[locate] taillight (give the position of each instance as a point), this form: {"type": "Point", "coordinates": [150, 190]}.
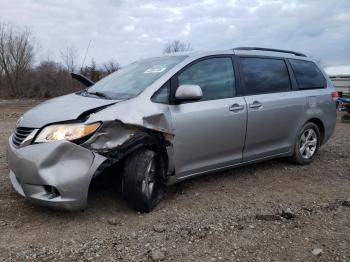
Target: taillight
{"type": "Point", "coordinates": [335, 95]}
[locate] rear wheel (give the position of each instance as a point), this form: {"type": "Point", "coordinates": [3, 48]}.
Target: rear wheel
{"type": "Point", "coordinates": [142, 184]}
{"type": "Point", "coordinates": [306, 144]}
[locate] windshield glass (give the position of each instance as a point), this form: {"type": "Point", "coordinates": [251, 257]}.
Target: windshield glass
{"type": "Point", "coordinates": [134, 78]}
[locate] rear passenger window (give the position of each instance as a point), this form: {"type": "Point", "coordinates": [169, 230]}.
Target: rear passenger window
{"type": "Point", "coordinates": [215, 76]}
{"type": "Point", "coordinates": [265, 75]}
{"type": "Point", "coordinates": [307, 74]}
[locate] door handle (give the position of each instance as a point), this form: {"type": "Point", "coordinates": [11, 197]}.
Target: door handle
{"type": "Point", "coordinates": [236, 107]}
{"type": "Point", "coordinates": [255, 105]}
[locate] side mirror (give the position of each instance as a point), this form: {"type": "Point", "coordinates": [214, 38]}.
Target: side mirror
{"type": "Point", "coordinates": [188, 93]}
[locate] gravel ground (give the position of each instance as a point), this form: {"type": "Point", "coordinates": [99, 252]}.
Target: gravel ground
{"type": "Point", "coordinates": [272, 211]}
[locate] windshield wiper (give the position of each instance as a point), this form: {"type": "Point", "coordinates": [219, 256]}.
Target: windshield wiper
{"type": "Point", "coordinates": [99, 94]}
{"type": "Point", "coordinates": [82, 79]}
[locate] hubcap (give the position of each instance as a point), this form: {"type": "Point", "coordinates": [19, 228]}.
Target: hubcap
{"type": "Point", "coordinates": [308, 143]}
{"type": "Point", "coordinates": [149, 179]}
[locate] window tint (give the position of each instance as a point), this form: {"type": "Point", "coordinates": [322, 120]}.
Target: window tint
{"type": "Point", "coordinates": [162, 94]}
{"type": "Point", "coordinates": [265, 75]}
{"type": "Point", "coordinates": [307, 74]}
{"type": "Point", "coordinates": [214, 75]}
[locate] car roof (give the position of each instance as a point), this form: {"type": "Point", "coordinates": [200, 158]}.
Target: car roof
{"type": "Point", "coordinates": [271, 54]}
{"type": "Point", "coordinates": [251, 52]}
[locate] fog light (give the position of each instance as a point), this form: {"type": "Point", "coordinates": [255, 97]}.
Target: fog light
{"type": "Point", "coordinates": [51, 192]}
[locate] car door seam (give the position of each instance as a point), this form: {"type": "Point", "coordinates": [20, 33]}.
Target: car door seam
{"type": "Point", "coordinates": [246, 128]}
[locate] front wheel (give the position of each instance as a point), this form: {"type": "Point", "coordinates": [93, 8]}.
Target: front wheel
{"type": "Point", "coordinates": [306, 144]}
{"type": "Point", "coordinates": [142, 184]}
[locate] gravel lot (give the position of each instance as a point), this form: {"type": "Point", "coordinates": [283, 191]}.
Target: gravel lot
{"type": "Point", "coordinates": [231, 216]}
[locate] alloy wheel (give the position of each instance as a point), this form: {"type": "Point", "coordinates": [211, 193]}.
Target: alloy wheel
{"type": "Point", "coordinates": [308, 143]}
{"type": "Point", "coordinates": [149, 178]}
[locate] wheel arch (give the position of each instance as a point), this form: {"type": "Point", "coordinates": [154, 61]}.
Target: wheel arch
{"type": "Point", "coordinates": [143, 139]}
{"type": "Point", "coordinates": [318, 122]}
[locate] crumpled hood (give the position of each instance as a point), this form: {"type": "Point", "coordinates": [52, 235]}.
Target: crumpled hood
{"type": "Point", "coordinates": [63, 108]}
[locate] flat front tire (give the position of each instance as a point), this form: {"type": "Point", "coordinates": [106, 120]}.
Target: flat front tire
{"type": "Point", "coordinates": [142, 184]}
{"type": "Point", "coordinates": [307, 144]}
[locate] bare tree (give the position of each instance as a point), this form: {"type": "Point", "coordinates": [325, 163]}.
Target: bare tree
{"type": "Point", "coordinates": [49, 79]}
{"type": "Point", "coordinates": [176, 46]}
{"type": "Point", "coordinates": [20, 78]}
{"type": "Point", "coordinates": [16, 58]}
{"type": "Point", "coordinates": [92, 71]}
{"type": "Point", "coordinates": [110, 66]}
{"type": "Point", "coordinates": [69, 56]}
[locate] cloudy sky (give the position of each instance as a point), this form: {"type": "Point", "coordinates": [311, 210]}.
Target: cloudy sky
{"type": "Point", "coordinates": [129, 30]}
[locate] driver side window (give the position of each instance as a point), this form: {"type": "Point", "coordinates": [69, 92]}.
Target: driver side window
{"type": "Point", "coordinates": [215, 76]}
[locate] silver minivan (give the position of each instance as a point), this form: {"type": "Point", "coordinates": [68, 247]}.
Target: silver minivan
{"type": "Point", "coordinates": [162, 120]}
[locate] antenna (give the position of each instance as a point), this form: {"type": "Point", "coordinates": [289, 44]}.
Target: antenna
{"type": "Point", "coordinates": [86, 52]}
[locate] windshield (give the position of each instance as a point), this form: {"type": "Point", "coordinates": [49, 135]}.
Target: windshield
{"type": "Point", "coordinates": [134, 78]}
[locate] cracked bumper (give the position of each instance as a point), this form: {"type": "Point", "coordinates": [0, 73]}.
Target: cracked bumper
{"type": "Point", "coordinates": [62, 165]}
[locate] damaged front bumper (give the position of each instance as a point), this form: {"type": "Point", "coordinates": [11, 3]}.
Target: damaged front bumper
{"type": "Point", "coordinates": [55, 174]}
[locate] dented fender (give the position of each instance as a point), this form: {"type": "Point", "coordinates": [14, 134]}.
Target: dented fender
{"type": "Point", "coordinates": [136, 112]}
{"type": "Point", "coordinates": [115, 140]}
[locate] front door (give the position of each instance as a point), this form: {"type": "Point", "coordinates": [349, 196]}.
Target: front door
{"type": "Point", "coordinates": [210, 133]}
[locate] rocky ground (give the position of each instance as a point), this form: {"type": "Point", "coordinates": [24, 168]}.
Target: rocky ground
{"type": "Point", "coordinates": [272, 211]}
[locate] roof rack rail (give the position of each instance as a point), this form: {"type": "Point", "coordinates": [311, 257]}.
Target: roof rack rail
{"type": "Point", "coordinates": [269, 49]}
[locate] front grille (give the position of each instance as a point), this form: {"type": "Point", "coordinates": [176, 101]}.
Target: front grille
{"type": "Point", "coordinates": [20, 134]}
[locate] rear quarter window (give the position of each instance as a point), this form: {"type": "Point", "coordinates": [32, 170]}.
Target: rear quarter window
{"type": "Point", "coordinates": [307, 74]}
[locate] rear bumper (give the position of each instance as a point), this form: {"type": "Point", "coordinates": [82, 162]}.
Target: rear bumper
{"type": "Point", "coordinates": [62, 165]}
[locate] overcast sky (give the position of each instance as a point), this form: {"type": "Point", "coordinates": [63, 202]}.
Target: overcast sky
{"type": "Point", "coordinates": [129, 30]}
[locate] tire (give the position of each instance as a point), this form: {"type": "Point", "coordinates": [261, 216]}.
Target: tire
{"type": "Point", "coordinates": [307, 144]}
{"type": "Point", "coordinates": [142, 183]}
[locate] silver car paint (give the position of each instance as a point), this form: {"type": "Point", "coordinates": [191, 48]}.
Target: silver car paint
{"type": "Point", "coordinates": [186, 91]}
{"type": "Point", "coordinates": [280, 117]}
{"type": "Point", "coordinates": [61, 164]}
{"type": "Point", "coordinates": [276, 121]}
{"type": "Point", "coordinates": [212, 139]}
{"type": "Point", "coordinates": [63, 108]}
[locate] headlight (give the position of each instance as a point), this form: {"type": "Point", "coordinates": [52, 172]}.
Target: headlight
{"type": "Point", "coordinates": [65, 131]}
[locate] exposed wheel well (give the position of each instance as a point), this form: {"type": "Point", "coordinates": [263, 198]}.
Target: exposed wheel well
{"type": "Point", "coordinates": [320, 125]}
{"type": "Point", "coordinates": [145, 139]}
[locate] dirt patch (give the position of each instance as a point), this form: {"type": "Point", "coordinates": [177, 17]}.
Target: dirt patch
{"type": "Point", "coordinates": [272, 211]}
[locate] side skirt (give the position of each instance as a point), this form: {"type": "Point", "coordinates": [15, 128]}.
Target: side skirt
{"type": "Point", "coordinates": [174, 179]}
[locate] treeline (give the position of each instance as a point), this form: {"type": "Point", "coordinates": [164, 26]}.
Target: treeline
{"type": "Point", "coordinates": [21, 77]}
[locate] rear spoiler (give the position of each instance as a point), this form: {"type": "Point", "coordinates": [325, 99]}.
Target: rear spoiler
{"type": "Point", "coordinates": [82, 79]}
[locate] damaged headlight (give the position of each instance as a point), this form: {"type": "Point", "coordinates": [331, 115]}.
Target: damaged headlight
{"type": "Point", "coordinates": [66, 132]}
